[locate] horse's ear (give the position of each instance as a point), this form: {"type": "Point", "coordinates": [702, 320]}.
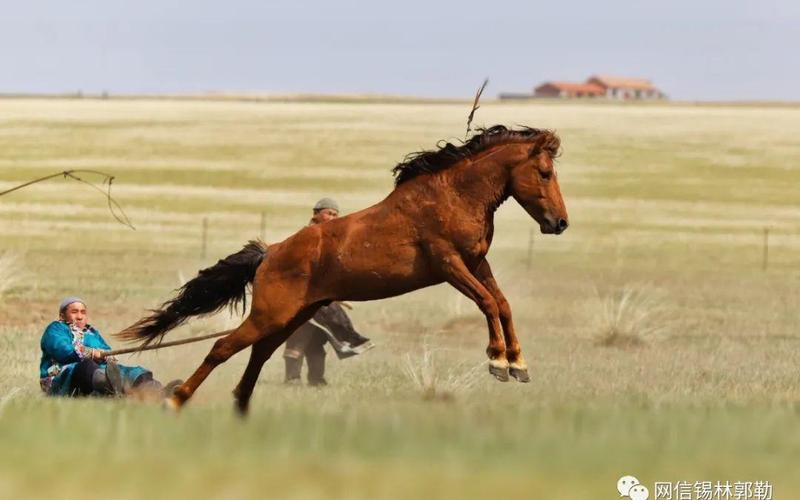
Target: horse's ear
{"type": "Point", "coordinates": [548, 142]}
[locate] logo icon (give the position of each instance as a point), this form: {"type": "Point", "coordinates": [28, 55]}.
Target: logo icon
{"type": "Point", "coordinates": [629, 487]}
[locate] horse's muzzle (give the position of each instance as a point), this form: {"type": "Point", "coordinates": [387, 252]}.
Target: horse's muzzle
{"type": "Point", "coordinates": [556, 227]}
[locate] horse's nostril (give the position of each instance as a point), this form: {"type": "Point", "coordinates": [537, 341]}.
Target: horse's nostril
{"type": "Point", "coordinates": [562, 224]}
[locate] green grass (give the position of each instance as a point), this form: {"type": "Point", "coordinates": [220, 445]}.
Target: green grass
{"type": "Point", "coordinates": [670, 200]}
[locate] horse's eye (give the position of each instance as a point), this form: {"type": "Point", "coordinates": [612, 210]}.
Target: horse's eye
{"type": "Point", "coordinates": [546, 174]}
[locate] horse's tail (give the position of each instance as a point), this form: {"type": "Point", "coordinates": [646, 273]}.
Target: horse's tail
{"type": "Point", "coordinates": [224, 283]}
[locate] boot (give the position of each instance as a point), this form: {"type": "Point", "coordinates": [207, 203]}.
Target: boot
{"type": "Point", "coordinates": [108, 382]}
{"type": "Point", "coordinates": [145, 378]}
{"type": "Point", "coordinates": [316, 370]}
{"type": "Point", "coordinates": [293, 367]}
{"type": "Point", "coordinates": [346, 350]}
{"type": "Point", "coordinates": [146, 388]}
{"type": "Point", "coordinates": [100, 383]}
{"type": "Point", "coordinates": [169, 389]}
{"type": "Point", "coordinates": [362, 346]}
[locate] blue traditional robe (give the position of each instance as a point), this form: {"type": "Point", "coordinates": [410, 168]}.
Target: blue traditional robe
{"type": "Point", "coordinates": [63, 347]}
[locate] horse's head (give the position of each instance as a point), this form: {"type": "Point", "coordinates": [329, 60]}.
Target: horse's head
{"type": "Point", "coordinates": [534, 184]}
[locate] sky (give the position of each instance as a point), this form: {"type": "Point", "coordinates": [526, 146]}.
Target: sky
{"type": "Point", "coordinates": [692, 50]}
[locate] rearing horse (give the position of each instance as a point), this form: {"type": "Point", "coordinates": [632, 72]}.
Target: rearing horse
{"type": "Point", "coordinates": [435, 226]}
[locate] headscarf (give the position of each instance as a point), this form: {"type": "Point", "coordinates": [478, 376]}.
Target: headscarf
{"type": "Point", "coordinates": [67, 301]}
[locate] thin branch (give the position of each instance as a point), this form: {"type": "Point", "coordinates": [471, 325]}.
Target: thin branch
{"type": "Point", "coordinates": [32, 182]}
{"type": "Point", "coordinates": [115, 208]}
{"type": "Point", "coordinates": [475, 106]}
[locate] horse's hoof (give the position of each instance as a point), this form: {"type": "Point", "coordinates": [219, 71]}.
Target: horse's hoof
{"type": "Point", "coordinates": [499, 372]}
{"type": "Point", "coordinates": [241, 409]}
{"type": "Point", "coordinates": [521, 374]}
{"type": "Point", "coordinates": [169, 405]}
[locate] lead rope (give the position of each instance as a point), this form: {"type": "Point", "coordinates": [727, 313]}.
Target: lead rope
{"type": "Point", "coordinates": [128, 350]}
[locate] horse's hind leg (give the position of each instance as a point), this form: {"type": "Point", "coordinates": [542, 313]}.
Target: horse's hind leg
{"type": "Point", "coordinates": [246, 334]}
{"type": "Point", "coordinates": [260, 353]}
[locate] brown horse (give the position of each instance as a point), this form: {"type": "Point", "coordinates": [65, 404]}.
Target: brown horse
{"type": "Point", "coordinates": [435, 226]}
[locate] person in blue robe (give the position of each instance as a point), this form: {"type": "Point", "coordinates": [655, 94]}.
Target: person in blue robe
{"type": "Point", "coordinates": [74, 361]}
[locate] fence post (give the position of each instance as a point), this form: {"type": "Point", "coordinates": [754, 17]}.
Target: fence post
{"type": "Point", "coordinates": [765, 261]}
{"type": "Point", "coordinates": [530, 249]}
{"type": "Point", "coordinates": [263, 232]}
{"type": "Point", "coordinates": [204, 246]}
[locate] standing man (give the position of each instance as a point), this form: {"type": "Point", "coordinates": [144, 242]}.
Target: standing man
{"type": "Point", "coordinates": [329, 324]}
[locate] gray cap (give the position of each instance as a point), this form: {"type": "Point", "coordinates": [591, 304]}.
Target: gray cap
{"type": "Point", "coordinates": [326, 203]}
{"type": "Point", "coordinates": [67, 301]}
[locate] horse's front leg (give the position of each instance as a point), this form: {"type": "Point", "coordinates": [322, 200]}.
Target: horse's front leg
{"type": "Point", "coordinates": [457, 274]}
{"type": "Point", "coordinates": [517, 366]}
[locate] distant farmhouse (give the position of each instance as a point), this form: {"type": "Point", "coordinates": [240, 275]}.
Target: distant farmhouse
{"type": "Point", "coordinates": [603, 87]}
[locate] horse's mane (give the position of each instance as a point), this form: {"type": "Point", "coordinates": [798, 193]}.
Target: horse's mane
{"type": "Point", "coordinates": [445, 156]}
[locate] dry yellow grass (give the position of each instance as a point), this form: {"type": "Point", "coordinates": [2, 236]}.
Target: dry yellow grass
{"type": "Point", "coordinates": [672, 196]}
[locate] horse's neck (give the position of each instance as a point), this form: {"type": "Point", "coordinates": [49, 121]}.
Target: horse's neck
{"type": "Point", "coordinates": [482, 182]}
{"type": "Point", "coordinates": [476, 186]}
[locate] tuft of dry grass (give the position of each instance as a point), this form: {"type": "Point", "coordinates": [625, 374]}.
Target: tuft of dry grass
{"type": "Point", "coordinates": [631, 317]}
{"type": "Point", "coordinates": [436, 382]}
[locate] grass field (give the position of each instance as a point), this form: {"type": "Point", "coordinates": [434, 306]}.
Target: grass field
{"type": "Point", "coordinates": [659, 345]}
